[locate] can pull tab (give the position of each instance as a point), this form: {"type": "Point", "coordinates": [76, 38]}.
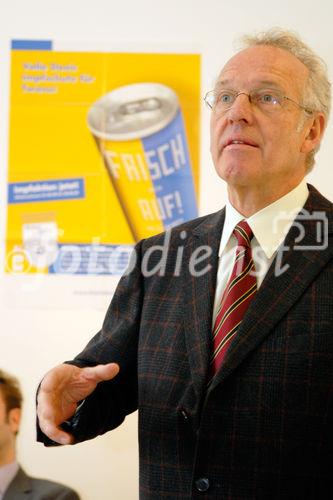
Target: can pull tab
{"type": "Point", "coordinates": [131, 108]}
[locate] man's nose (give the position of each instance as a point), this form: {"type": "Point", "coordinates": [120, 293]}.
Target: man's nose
{"type": "Point", "coordinates": [241, 109]}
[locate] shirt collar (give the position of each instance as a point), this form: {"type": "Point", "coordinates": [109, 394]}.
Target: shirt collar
{"type": "Point", "coordinates": [7, 474]}
{"type": "Point", "coordinates": [271, 224]}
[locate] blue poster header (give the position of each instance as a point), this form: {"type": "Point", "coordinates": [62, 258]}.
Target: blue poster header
{"type": "Point", "coordinates": [31, 45]}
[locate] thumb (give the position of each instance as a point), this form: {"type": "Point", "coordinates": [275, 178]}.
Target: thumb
{"type": "Point", "coordinates": [100, 373]}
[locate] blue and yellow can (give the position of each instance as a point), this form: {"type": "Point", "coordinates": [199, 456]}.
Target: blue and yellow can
{"type": "Point", "coordinates": [139, 130]}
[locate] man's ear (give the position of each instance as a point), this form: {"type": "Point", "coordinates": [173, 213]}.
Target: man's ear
{"type": "Point", "coordinates": [314, 133]}
{"type": "Point", "coordinates": [14, 418]}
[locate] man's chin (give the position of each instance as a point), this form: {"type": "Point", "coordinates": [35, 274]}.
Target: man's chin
{"type": "Point", "coordinates": [236, 175]}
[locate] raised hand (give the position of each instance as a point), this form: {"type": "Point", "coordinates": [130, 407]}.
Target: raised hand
{"type": "Point", "coordinates": [61, 390]}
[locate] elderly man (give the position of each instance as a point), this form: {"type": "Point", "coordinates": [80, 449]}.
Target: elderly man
{"type": "Point", "coordinates": [226, 349]}
{"type": "Point", "coordinates": [15, 484]}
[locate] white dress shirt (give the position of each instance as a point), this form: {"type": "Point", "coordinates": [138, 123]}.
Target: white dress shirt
{"type": "Point", "coordinates": [7, 474]}
{"type": "Point", "coordinates": [269, 226]}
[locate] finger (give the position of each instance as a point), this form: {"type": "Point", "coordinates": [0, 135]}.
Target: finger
{"type": "Point", "coordinates": [49, 424]}
{"type": "Point", "coordinates": [101, 373]}
{"type": "Point", "coordinates": [55, 433]}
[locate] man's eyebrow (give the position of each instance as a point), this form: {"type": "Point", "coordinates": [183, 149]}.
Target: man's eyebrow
{"type": "Point", "coordinates": [226, 83]}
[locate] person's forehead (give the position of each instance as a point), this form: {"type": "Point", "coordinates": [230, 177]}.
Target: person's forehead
{"type": "Point", "coordinates": [264, 63]}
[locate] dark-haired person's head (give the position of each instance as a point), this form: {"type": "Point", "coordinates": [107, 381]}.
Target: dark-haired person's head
{"type": "Point", "coordinates": [10, 416]}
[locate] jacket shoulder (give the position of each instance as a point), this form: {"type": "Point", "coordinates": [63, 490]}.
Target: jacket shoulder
{"type": "Point", "coordinates": [38, 489]}
{"type": "Point", "coordinates": [44, 489]}
{"type": "Point", "coordinates": [200, 224]}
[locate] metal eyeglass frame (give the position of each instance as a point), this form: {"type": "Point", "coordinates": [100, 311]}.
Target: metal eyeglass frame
{"type": "Point", "coordinates": [236, 94]}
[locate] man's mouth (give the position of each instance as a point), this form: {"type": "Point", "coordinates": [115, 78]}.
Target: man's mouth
{"type": "Point", "coordinates": [239, 142]}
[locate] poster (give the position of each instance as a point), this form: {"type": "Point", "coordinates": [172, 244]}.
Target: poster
{"type": "Point", "coordinates": [103, 151]}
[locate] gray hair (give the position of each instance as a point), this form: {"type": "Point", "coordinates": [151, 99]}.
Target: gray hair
{"type": "Point", "coordinates": [317, 91]}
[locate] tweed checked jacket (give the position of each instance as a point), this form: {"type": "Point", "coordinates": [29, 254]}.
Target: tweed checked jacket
{"type": "Point", "coordinates": [263, 428]}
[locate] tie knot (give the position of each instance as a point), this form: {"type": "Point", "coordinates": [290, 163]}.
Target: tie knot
{"type": "Point", "coordinates": [243, 233]}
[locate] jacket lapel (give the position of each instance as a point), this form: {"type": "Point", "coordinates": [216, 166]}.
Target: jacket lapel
{"type": "Point", "coordinates": [198, 293]}
{"type": "Point", "coordinates": [303, 257]}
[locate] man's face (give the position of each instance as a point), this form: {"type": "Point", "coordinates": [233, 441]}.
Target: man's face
{"type": "Point", "coordinates": [276, 151]}
{"type": "Point", "coordinates": [9, 424]}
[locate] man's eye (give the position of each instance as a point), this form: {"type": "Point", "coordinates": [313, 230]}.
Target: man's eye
{"type": "Point", "coordinates": [268, 98]}
{"type": "Point", "coordinates": [226, 98]}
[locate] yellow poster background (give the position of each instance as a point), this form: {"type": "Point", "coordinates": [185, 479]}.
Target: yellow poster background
{"type": "Point", "coordinates": [49, 139]}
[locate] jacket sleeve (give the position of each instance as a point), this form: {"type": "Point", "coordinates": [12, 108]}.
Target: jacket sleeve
{"type": "Point", "coordinates": [117, 341]}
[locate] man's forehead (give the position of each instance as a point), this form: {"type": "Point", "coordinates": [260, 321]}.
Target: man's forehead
{"type": "Point", "coordinates": [265, 61]}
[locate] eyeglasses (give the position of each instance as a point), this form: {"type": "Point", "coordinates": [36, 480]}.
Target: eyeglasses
{"type": "Point", "coordinates": [267, 100]}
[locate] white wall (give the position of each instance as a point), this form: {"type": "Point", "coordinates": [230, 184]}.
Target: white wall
{"type": "Point", "coordinates": [32, 341]}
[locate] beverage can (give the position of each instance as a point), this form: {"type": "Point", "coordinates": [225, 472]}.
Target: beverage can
{"type": "Point", "coordinates": [139, 130]}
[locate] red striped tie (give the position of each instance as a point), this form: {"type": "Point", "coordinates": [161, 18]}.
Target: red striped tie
{"type": "Point", "coordinates": [236, 298]}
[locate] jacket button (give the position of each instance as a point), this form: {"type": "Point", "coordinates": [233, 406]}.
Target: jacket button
{"type": "Point", "coordinates": [202, 484]}
{"type": "Point", "coordinates": [184, 414]}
